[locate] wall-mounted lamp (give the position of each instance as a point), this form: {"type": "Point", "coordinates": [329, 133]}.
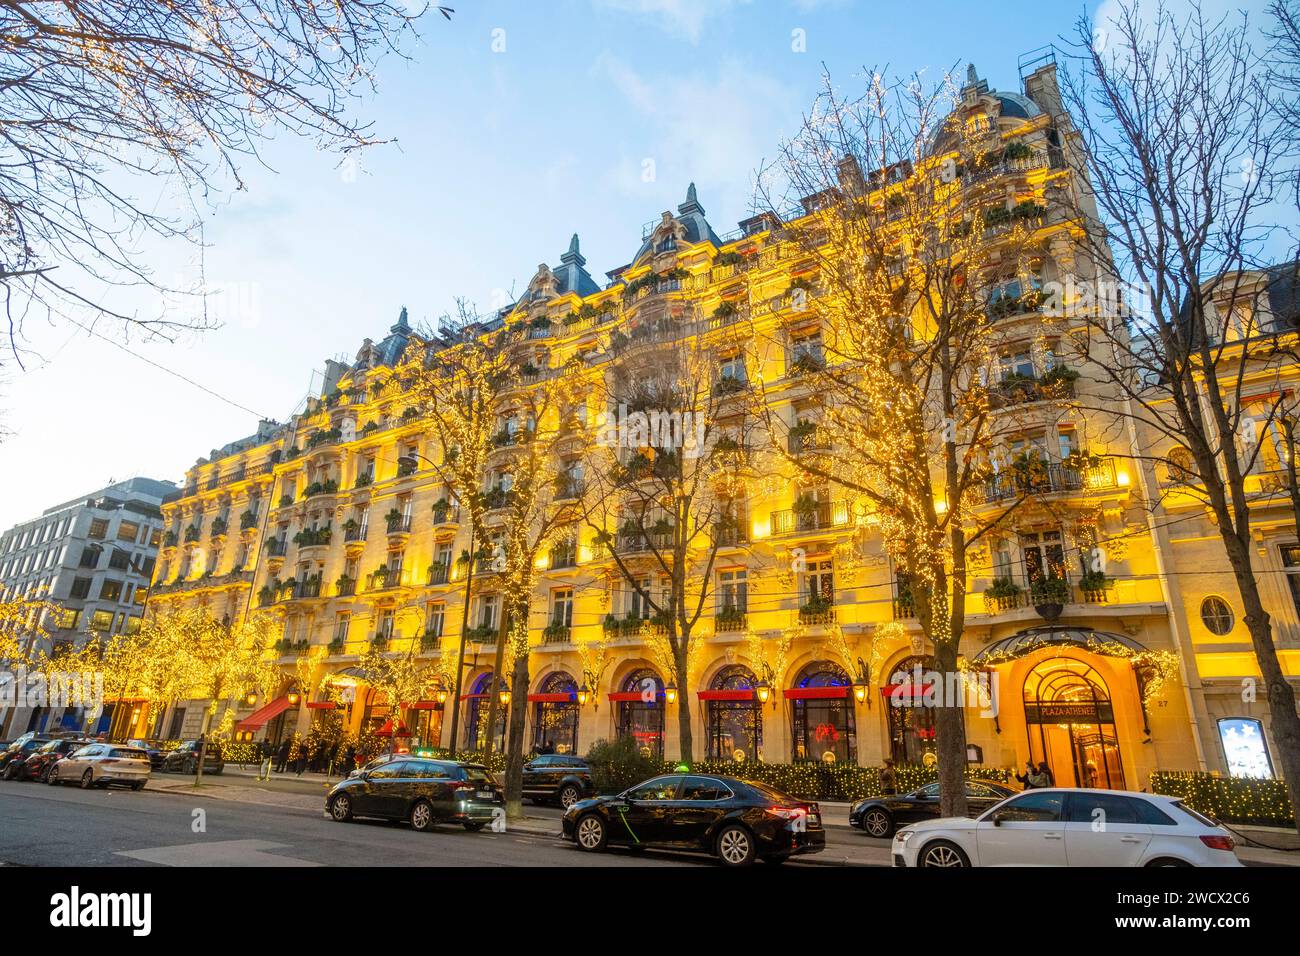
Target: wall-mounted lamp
{"type": "Point", "coordinates": [293, 697]}
{"type": "Point", "coordinates": [670, 693]}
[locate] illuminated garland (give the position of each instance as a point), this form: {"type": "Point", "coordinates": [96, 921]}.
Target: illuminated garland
{"type": "Point", "coordinates": [1241, 800]}
{"type": "Point", "coordinates": [839, 781]}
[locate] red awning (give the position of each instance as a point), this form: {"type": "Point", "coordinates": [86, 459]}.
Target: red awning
{"type": "Point", "coordinates": [321, 705]}
{"type": "Point", "coordinates": [904, 691]}
{"type": "Point", "coordinates": [387, 729]}
{"type": "Point", "coordinates": [568, 698]}
{"type": "Point", "coordinates": [425, 705]}
{"type": "Point", "coordinates": [632, 696]}
{"type": "Point", "coordinates": [260, 718]}
{"type": "Point", "coordinates": [474, 696]}
{"type": "Point", "coordinates": [816, 693]}
{"type": "Point", "coordinates": [725, 695]}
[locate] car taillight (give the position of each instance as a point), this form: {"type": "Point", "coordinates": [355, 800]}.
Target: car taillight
{"type": "Point", "coordinates": [1219, 842]}
{"type": "Point", "coordinates": [786, 813]}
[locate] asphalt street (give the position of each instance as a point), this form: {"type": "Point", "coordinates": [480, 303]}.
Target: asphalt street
{"type": "Point", "coordinates": [65, 826]}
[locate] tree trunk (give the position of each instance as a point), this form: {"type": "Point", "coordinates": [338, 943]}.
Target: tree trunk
{"type": "Point", "coordinates": [515, 739]}
{"type": "Point", "coordinates": [685, 743]}
{"type": "Point", "coordinates": [950, 733]}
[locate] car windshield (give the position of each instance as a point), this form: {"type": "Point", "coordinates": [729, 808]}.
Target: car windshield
{"type": "Point", "coordinates": [1194, 814]}
{"type": "Point", "coordinates": [770, 793]}
{"type": "Point", "coordinates": [478, 775]}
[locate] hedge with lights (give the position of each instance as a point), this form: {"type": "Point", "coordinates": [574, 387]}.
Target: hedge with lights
{"type": "Point", "coordinates": [840, 781]}
{"type": "Point", "coordinates": [1242, 800]}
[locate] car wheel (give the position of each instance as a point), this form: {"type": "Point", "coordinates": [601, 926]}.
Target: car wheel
{"type": "Point", "coordinates": [473, 826]}
{"type": "Point", "coordinates": [192, 767]}
{"type": "Point", "coordinates": [422, 816]}
{"type": "Point", "coordinates": [591, 833]}
{"type": "Point", "coordinates": [11, 771]}
{"type": "Point", "coordinates": [735, 847]}
{"type": "Point", "coordinates": [138, 786]}
{"type": "Point", "coordinates": [44, 776]}
{"type": "Point", "coordinates": [341, 808]}
{"type": "Point", "coordinates": [878, 823]}
{"type": "Point", "coordinates": [1168, 861]}
{"type": "Point", "coordinates": [569, 795]}
{"type": "Point", "coordinates": [943, 853]}
{"type": "Point", "coordinates": [87, 780]}
{"type": "Point", "coordinates": [52, 775]}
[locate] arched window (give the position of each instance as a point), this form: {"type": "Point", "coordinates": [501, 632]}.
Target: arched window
{"type": "Point", "coordinates": [1216, 615]}
{"type": "Point", "coordinates": [555, 721]}
{"type": "Point", "coordinates": [1071, 724]}
{"type": "Point", "coordinates": [641, 717]}
{"type": "Point", "coordinates": [911, 721]}
{"type": "Point", "coordinates": [735, 718]}
{"type": "Point", "coordinates": [822, 714]}
{"type": "Point", "coordinates": [1180, 466]}
{"type": "Point", "coordinates": [476, 713]}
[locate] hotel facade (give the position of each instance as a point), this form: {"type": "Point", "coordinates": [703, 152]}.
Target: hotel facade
{"type": "Point", "coordinates": [811, 650]}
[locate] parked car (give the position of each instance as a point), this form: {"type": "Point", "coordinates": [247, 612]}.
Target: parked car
{"type": "Point", "coordinates": [22, 748]}
{"type": "Point", "coordinates": [1053, 827]}
{"type": "Point", "coordinates": [38, 763]}
{"type": "Point", "coordinates": [102, 765]}
{"type": "Point", "coordinates": [737, 821]}
{"type": "Point", "coordinates": [423, 791]}
{"type": "Point", "coordinates": [185, 758]}
{"type": "Point", "coordinates": [155, 754]}
{"type": "Point", "coordinates": [374, 762]}
{"type": "Point", "coordinates": [558, 778]}
{"type": "Point", "coordinates": [881, 816]}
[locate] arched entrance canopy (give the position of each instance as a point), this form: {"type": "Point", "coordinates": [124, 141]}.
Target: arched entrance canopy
{"type": "Point", "coordinates": [1106, 643]}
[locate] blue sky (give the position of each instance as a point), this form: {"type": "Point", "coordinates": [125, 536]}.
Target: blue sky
{"type": "Point", "coordinates": [518, 123]}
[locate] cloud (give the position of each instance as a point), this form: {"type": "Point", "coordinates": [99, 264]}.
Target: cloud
{"type": "Point", "coordinates": [681, 18]}
{"type": "Point", "coordinates": [712, 128]}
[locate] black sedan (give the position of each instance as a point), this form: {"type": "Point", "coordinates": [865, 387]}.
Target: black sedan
{"type": "Point", "coordinates": [738, 821]}
{"type": "Point", "coordinates": [37, 764]}
{"type": "Point", "coordinates": [185, 758]}
{"type": "Point", "coordinates": [425, 792]}
{"type": "Point", "coordinates": [881, 816]}
{"type": "Point", "coordinates": [155, 755]}
{"type": "Point", "coordinates": [557, 777]}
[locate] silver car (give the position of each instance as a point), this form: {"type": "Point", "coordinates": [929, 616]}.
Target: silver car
{"type": "Point", "coordinates": [102, 765]}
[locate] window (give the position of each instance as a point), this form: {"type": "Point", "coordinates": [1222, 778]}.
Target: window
{"type": "Point", "coordinates": [101, 621]}
{"type": "Point", "coordinates": [89, 556]}
{"type": "Point", "coordinates": [1103, 808]}
{"type": "Point", "coordinates": [704, 788]}
{"type": "Point", "coordinates": [119, 559]}
{"type": "Point", "coordinates": [98, 529]}
{"type": "Point", "coordinates": [733, 590]}
{"type": "Point", "coordinates": [1291, 561]}
{"type": "Point", "coordinates": [732, 367]}
{"type": "Point", "coordinates": [1216, 615]}
{"type": "Point", "coordinates": [806, 349]}
{"type": "Point", "coordinates": [1032, 808]}
{"type": "Point", "coordinates": [69, 618]}
{"type": "Point", "coordinates": [1019, 363]}
{"type": "Point", "coordinates": [384, 625]}
{"type": "Point", "coordinates": [110, 590]}
{"type": "Point", "coordinates": [562, 607]}
{"type": "Point", "coordinates": [433, 625]}
{"type": "Point", "coordinates": [819, 580]}
{"type": "Point", "coordinates": [342, 624]}
{"type": "Point", "coordinates": [80, 588]}
{"type": "Point", "coordinates": [639, 599]}
{"type": "Point", "coordinates": [661, 788]}
{"type": "Point", "coordinates": [487, 611]}
{"type": "Point", "coordinates": [127, 531]}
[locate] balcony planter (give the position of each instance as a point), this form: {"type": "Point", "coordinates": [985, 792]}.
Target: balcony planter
{"type": "Point", "coordinates": [192, 533]}
{"type": "Point", "coordinates": [441, 509]}
{"type": "Point", "coordinates": [345, 585]}
{"type": "Point", "coordinates": [335, 648]}
{"type": "Point", "coordinates": [247, 520]}
{"type": "Point", "coordinates": [169, 539]}
{"type": "Point", "coordinates": [730, 618]}
{"type": "Point", "coordinates": [1058, 381]}
{"type": "Point", "coordinates": [369, 427]}
{"type": "Point", "coordinates": [806, 365]}
{"type": "Point", "coordinates": [556, 633]}
{"type": "Point", "coordinates": [1050, 595]}
{"type": "Point", "coordinates": [1095, 587]}
{"type": "Point", "coordinates": [728, 385]}
{"type": "Point", "coordinates": [816, 610]}
{"type": "Point", "coordinates": [1002, 595]}
{"type": "Point", "coordinates": [1017, 150]}
{"type": "Point", "coordinates": [364, 480]}
{"type": "Point", "coordinates": [609, 624]}
{"type": "Point", "coordinates": [481, 635]}
{"type": "Point", "coordinates": [218, 527]}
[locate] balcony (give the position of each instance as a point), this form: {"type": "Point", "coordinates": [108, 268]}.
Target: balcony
{"type": "Point", "coordinates": [801, 439]}
{"type": "Point", "coordinates": [816, 516]}
{"type": "Point", "coordinates": [568, 488]}
{"type": "Point", "coordinates": [557, 633]}
{"type": "Point", "coordinates": [276, 547]}
{"type": "Point", "coordinates": [817, 612]}
{"type": "Point", "coordinates": [730, 620]}
{"type": "Point", "coordinates": [398, 524]}
{"type": "Point", "coordinates": [632, 627]}
{"type": "Point", "coordinates": [1030, 477]}
{"type": "Point", "coordinates": [635, 542]}
{"type": "Point", "coordinates": [354, 532]}
{"type": "Point", "coordinates": [730, 535]}
{"type": "Point", "coordinates": [1054, 385]}
{"type": "Point", "coordinates": [345, 586]}
{"type": "Point", "coordinates": [564, 555]}
{"type": "Point", "coordinates": [439, 574]}
{"type": "Point", "coordinates": [904, 607]}
{"type": "Point", "coordinates": [386, 579]}
{"type": "Point", "coordinates": [445, 513]}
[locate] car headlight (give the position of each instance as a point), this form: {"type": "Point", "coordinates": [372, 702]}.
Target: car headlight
{"type": "Point", "coordinates": [902, 836]}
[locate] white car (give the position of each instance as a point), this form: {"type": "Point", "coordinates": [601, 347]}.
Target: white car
{"type": "Point", "coordinates": [1056, 827]}
{"type": "Point", "coordinates": [102, 765]}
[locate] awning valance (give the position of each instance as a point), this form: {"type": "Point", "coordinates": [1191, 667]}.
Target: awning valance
{"type": "Point", "coordinates": [387, 729]}
{"type": "Point", "coordinates": [1106, 643]}
{"type": "Point", "coordinates": [569, 698]}
{"type": "Point", "coordinates": [260, 718]}
{"type": "Point", "coordinates": [816, 693]}
{"type": "Point", "coordinates": [632, 696]}
{"type": "Point", "coordinates": [425, 705]}
{"type": "Point", "coordinates": [321, 705]}
{"type": "Point", "coordinates": [725, 695]}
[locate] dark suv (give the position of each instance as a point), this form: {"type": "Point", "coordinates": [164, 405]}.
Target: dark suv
{"type": "Point", "coordinates": [185, 758]}
{"type": "Point", "coordinates": [558, 778]}
{"type": "Point", "coordinates": [425, 792]}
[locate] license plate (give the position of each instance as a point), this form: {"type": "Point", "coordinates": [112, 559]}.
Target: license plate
{"type": "Point", "coordinates": [485, 795]}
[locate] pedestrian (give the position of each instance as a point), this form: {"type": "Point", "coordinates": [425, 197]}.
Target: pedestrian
{"type": "Point", "coordinates": [264, 767]}
{"type": "Point", "coordinates": [349, 759]}
{"type": "Point", "coordinates": [1027, 778]}
{"type": "Point", "coordinates": [282, 756]}
{"type": "Point", "coordinates": [303, 757]}
{"type": "Point", "coordinates": [1045, 774]}
{"type": "Point", "coordinates": [888, 779]}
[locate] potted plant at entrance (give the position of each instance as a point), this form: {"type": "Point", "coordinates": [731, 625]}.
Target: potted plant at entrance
{"type": "Point", "coordinates": [1050, 595]}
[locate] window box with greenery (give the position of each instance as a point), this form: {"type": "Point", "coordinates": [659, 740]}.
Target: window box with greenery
{"type": "Point", "coordinates": [369, 427]}
{"type": "Point", "coordinates": [441, 511]}
{"type": "Point", "coordinates": [380, 642]}
{"type": "Point", "coordinates": [484, 634]}
{"type": "Point", "coordinates": [313, 537]}
{"type": "Point", "coordinates": [335, 647]}
{"type": "Point", "coordinates": [806, 363]}
{"type": "Point", "coordinates": [1058, 381]}
{"type": "Point", "coordinates": [326, 436]}
{"type": "Point", "coordinates": [169, 539]}
{"type": "Point", "coordinates": [1017, 150]}
{"type": "Point", "coordinates": [379, 577]}
{"type": "Point", "coordinates": [395, 522]}
{"type": "Point", "coordinates": [345, 585]}
{"type": "Point", "coordinates": [248, 520]}
{"type": "Point", "coordinates": [556, 633]}
{"type": "Point", "coordinates": [818, 609]}
{"type": "Point", "coordinates": [609, 624]}
{"type": "Point", "coordinates": [1096, 587]}
{"type": "Point", "coordinates": [1002, 595]}
{"type": "Point", "coordinates": [1049, 595]}
{"type": "Point", "coordinates": [729, 259]}
{"type": "Point", "coordinates": [805, 511]}
{"type": "Point", "coordinates": [725, 312]}
{"type": "Point", "coordinates": [496, 497]}
{"type": "Point", "coordinates": [729, 618]}
{"type": "Point", "coordinates": [286, 499]}
{"type": "Point", "coordinates": [219, 526]}
{"type": "Point", "coordinates": [364, 480]}
{"type": "Point", "coordinates": [192, 533]}
{"type": "Point", "coordinates": [728, 385]}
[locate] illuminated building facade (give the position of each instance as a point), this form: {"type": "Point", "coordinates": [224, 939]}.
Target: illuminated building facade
{"type": "Point", "coordinates": [334, 523]}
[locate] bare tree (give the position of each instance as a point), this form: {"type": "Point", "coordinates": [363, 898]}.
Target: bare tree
{"type": "Point", "coordinates": [1182, 148]}
{"type": "Point", "coordinates": [918, 228]}
{"type": "Point", "coordinates": [665, 477]}
{"type": "Point", "coordinates": [110, 106]}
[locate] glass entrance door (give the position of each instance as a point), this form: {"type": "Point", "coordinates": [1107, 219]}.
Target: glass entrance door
{"type": "Point", "coordinates": [1071, 724]}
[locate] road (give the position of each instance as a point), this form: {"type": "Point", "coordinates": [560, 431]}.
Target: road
{"type": "Point", "coordinates": [64, 826]}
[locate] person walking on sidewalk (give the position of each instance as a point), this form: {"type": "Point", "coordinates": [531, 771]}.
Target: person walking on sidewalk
{"type": "Point", "coordinates": [282, 756]}
{"type": "Point", "coordinates": [888, 779]}
{"type": "Point", "coordinates": [264, 767]}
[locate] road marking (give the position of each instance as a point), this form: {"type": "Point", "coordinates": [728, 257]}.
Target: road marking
{"type": "Point", "coordinates": [218, 853]}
